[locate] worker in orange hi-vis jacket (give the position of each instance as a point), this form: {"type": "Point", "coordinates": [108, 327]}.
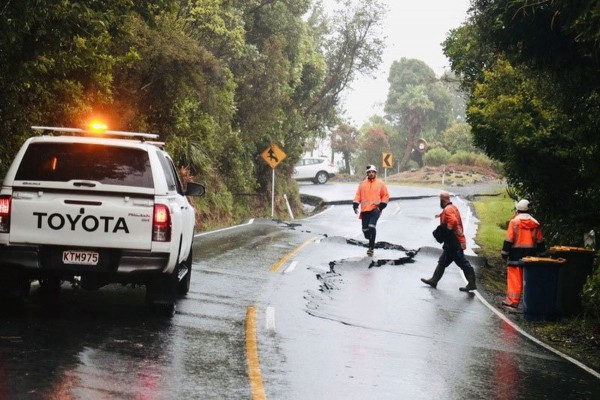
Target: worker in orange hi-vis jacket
{"type": "Point", "coordinates": [451, 233]}
{"type": "Point", "coordinates": [372, 196]}
{"type": "Point", "coordinates": [523, 238]}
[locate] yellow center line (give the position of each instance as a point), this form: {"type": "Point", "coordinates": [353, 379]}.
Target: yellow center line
{"type": "Point", "coordinates": [284, 259]}
{"type": "Point", "coordinates": [256, 383]}
{"type": "Point", "coordinates": [254, 375]}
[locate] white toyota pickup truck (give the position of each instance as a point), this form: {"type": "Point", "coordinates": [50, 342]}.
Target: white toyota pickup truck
{"type": "Point", "coordinates": [95, 210]}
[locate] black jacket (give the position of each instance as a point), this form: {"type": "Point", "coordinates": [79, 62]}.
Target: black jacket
{"type": "Point", "coordinates": [444, 235]}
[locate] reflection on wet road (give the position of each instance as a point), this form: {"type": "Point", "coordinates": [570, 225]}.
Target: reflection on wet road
{"type": "Point", "coordinates": [108, 345]}
{"type": "Point", "coordinates": [361, 332]}
{"type": "Point", "coordinates": [288, 311]}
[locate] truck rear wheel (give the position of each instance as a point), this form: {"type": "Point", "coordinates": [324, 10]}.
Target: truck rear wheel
{"type": "Point", "coordinates": [161, 293]}
{"type": "Point", "coordinates": [14, 288]}
{"type": "Point", "coordinates": [50, 286]}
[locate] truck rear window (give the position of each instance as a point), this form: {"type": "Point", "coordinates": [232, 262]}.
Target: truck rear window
{"type": "Point", "coordinates": [109, 165]}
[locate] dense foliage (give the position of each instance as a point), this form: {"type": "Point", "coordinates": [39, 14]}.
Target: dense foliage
{"type": "Point", "coordinates": [590, 296]}
{"type": "Point", "coordinates": [219, 80]}
{"type": "Point", "coordinates": [531, 72]}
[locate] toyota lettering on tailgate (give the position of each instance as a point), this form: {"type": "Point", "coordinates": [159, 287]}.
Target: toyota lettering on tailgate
{"type": "Point", "coordinates": [89, 223]}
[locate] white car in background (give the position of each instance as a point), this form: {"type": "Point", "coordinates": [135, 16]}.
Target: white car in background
{"type": "Point", "coordinates": [316, 169]}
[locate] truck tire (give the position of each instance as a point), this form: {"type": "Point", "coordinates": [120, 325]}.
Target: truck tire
{"type": "Point", "coordinates": [15, 289]}
{"type": "Point", "coordinates": [161, 293]}
{"type": "Point", "coordinates": [50, 286]}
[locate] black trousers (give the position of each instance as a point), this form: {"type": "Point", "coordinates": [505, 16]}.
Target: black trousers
{"type": "Point", "coordinates": [369, 222]}
{"type": "Point", "coordinates": [450, 255]}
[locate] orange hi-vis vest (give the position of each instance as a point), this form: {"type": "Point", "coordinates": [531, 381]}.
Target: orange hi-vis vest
{"type": "Point", "coordinates": [523, 238]}
{"type": "Point", "coordinates": [370, 193]}
{"type": "Point", "coordinates": [450, 217]}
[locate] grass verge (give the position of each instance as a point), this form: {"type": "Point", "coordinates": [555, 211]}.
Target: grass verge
{"type": "Point", "coordinates": [578, 337]}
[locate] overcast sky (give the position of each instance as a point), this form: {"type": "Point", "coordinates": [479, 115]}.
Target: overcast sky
{"type": "Point", "coordinates": [414, 29]}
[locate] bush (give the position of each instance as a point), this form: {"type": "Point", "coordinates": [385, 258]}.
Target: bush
{"type": "Point", "coordinates": [410, 165]}
{"type": "Point", "coordinates": [469, 158]}
{"type": "Point", "coordinates": [437, 157]}
{"type": "Point", "coordinates": [497, 167]}
{"type": "Point", "coordinates": [590, 295]}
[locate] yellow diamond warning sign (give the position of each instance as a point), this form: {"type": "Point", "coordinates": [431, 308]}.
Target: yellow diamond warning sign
{"type": "Point", "coordinates": [273, 155]}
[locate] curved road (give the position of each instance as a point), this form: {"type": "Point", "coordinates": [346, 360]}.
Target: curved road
{"type": "Point", "coordinates": [289, 311]}
{"type": "Point", "coordinates": [359, 332]}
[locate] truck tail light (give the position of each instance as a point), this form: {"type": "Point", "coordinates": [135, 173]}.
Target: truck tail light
{"type": "Point", "coordinates": [5, 203]}
{"type": "Point", "coordinates": [161, 224]}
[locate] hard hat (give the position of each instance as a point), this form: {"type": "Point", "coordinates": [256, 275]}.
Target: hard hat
{"type": "Point", "coordinates": [371, 168]}
{"type": "Point", "coordinates": [522, 205]}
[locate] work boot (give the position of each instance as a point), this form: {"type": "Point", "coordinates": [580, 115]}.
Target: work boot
{"type": "Point", "coordinates": [470, 286]}
{"type": "Point", "coordinates": [510, 304]}
{"type": "Point", "coordinates": [370, 252]}
{"type": "Point", "coordinates": [430, 282]}
{"type": "Point", "coordinates": [470, 275]}
{"type": "Point", "coordinates": [437, 275]}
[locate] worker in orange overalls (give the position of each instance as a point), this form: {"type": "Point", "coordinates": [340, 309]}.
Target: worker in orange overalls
{"type": "Point", "coordinates": [523, 238]}
{"type": "Point", "coordinates": [372, 195]}
{"type": "Point", "coordinates": [451, 233]}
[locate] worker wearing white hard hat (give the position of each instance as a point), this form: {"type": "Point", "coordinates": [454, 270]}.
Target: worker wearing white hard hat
{"type": "Point", "coordinates": [523, 238]}
{"type": "Point", "coordinates": [372, 196]}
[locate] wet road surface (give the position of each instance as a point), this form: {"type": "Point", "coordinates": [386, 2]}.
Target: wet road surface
{"type": "Point", "coordinates": [288, 311]}
{"type": "Point", "coordinates": [381, 333]}
{"type": "Point", "coordinates": [107, 345]}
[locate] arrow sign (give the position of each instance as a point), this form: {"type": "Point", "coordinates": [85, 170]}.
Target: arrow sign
{"type": "Point", "coordinates": [387, 160]}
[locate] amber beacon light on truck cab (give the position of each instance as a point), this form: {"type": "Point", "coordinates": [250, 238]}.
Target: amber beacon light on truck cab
{"type": "Point", "coordinates": [93, 207]}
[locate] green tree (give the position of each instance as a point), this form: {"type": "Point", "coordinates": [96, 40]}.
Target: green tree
{"type": "Point", "coordinates": [374, 143]}
{"type": "Point", "coordinates": [468, 54]}
{"type": "Point", "coordinates": [352, 44]}
{"type": "Point", "coordinates": [393, 138]}
{"type": "Point", "coordinates": [538, 108]}
{"type": "Point", "coordinates": [344, 139]}
{"type": "Point", "coordinates": [215, 24]}
{"type": "Point", "coordinates": [414, 86]}
{"type": "Point", "coordinates": [518, 123]}
{"type": "Point", "coordinates": [56, 62]}
{"type": "Point", "coordinates": [278, 72]}
{"type": "Point", "coordinates": [413, 107]}
{"type": "Point", "coordinates": [458, 137]}
{"type": "Point", "coordinates": [408, 73]}
{"type": "Point", "coordinates": [219, 80]}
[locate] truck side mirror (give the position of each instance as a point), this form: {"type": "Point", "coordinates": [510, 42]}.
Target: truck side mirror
{"type": "Point", "coordinates": [194, 189]}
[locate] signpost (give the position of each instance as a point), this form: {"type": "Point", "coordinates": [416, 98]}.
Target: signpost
{"type": "Point", "coordinates": [273, 155]}
{"type": "Point", "coordinates": [387, 160]}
